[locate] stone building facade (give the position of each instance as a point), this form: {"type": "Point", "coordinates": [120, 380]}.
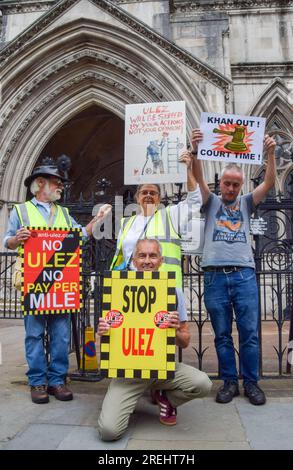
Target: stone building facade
{"type": "Point", "coordinates": [68, 68]}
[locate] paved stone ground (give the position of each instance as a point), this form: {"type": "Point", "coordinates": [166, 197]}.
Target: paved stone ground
{"type": "Point", "coordinates": [202, 424]}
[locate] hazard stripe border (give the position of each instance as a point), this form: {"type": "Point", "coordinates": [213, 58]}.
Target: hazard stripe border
{"type": "Point", "coordinates": [56, 311]}
{"type": "Point", "coordinates": [171, 333]}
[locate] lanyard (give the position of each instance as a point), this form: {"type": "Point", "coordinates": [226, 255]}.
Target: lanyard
{"type": "Point", "coordinates": [140, 236]}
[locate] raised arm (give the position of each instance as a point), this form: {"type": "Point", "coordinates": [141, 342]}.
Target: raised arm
{"type": "Point", "coordinates": [270, 175]}
{"type": "Point", "coordinates": [196, 137]}
{"type": "Point", "coordinates": [186, 158]}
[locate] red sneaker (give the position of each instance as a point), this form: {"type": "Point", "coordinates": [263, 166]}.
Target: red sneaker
{"type": "Point", "coordinates": [167, 411]}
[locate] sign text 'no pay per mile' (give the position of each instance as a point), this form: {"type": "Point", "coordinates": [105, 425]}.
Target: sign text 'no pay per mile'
{"type": "Point", "coordinates": [139, 343]}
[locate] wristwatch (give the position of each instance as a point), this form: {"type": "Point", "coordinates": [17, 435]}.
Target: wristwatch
{"type": "Point", "coordinates": [193, 152]}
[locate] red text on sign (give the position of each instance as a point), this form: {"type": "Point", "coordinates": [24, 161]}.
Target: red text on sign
{"type": "Point", "coordinates": [137, 342]}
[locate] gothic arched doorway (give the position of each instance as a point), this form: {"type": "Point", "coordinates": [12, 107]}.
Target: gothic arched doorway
{"type": "Point", "coordinates": [94, 141]}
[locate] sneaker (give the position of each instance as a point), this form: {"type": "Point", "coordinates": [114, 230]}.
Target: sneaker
{"type": "Point", "coordinates": [226, 393]}
{"type": "Point", "coordinates": [39, 394]}
{"type": "Point", "coordinates": [167, 411]}
{"type": "Point", "coordinates": [61, 392]}
{"type": "Point", "coordinates": [254, 393]}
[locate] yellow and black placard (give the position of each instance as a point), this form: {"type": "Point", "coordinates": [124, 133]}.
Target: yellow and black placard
{"type": "Point", "coordinates": [51, 271]}
{"type": "Point", "coordinates": [139, 343]}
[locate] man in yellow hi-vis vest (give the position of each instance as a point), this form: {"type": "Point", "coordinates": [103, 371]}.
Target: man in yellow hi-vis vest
{"type": "Point", "coordinates": [46, 184]}
{"type": "Point", "coordinates": [165, 224]}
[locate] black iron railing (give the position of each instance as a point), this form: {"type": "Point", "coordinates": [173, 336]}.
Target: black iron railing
{"type": "Point", "coordinates": [273, 252]}
{"type": "Point", "coordinates": [275, 287]}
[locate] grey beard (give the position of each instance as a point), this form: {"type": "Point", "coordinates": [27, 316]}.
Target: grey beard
{"type": "Point", "coordinates": [55, 196]}
{"type": "Point", "coordinates": [52, 195]}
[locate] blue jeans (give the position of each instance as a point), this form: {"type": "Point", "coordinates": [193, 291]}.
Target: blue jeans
{"type": "Point", "coordinates": [224, 293]}
{"type": "Point", "coordinates": [39, 372]}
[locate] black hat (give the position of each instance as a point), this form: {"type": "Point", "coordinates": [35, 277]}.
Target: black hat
{"type": "Point", "coordinates": [46, 170]}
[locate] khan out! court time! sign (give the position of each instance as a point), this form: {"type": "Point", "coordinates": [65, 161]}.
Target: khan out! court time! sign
{"type": "Point", "coordinates": [51, 269]}
{"type": "Point", "coordinates": [139, 343]}
{"type": "Point", "coordinates": [232, 138]}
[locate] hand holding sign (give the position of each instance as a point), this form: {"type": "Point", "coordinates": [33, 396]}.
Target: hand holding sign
{"type": "Point", "coordinates": [186, 158]}
{"type": "Point", "coordinates": [22, 234]}
{"type": "Point", "coordinates": [174, 320]}
{"type": "Point", "coordinates": [103, 327]}
{"type": "Point", "coordinates": [196, 138]}
{"type": "Point", "coordinates": [269, 145]}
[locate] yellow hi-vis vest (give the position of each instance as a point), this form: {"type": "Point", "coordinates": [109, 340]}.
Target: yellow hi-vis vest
{"type": "Point", "coordinates": [29, 216]}
{"type": "Point", "coordinates": [160, 227]}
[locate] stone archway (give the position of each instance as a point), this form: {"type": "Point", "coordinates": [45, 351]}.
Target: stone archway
{"type": "Point", "coordinates": [94, 140]}
{"type": "Point", "coordinates": [51, 76]}
{"type": "Point", "coordinates": [55, 88]}
{"type": "Point", "coordinates": [274, 104]}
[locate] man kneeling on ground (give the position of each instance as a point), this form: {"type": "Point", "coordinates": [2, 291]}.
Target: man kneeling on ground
{"type": "Point", "coordinates": [123, 394]}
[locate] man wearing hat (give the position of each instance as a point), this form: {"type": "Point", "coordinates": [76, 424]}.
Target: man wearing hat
{"type": "Point", "coordinates": [46, 185]}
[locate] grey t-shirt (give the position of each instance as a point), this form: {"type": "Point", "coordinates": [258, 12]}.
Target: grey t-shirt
{"type": "Point", "coordinates": [227, 238]}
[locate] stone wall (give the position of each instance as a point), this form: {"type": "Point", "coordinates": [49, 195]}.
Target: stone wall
{"type": "Point", "coordinates": [236, 38]}
{"type": "Point", "coordinates": [248, 41]}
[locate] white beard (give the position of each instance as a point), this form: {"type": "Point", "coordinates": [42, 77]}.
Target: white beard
{"type": "Point", "coordinates": [52, 196]}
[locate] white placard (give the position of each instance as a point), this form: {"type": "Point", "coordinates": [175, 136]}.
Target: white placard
{"type": "Point", "coordinates": [232, 138]}
{"type": "Point", "coordinates": [155, 137]}
{"type": "Point", "coordinates": [258, 226]}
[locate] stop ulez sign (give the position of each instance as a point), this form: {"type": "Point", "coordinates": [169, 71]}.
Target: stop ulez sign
{"type": "Point", "coordinates": [139, 343]}
{"type": "Point", "coordinates": [51, 264]}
